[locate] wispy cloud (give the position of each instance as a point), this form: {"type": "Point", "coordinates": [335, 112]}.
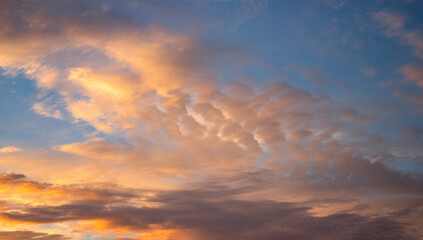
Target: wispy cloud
{"type": "Point", "coordinates": [395, 27]}
{"type": "Point", "coordinates": [413, 74]}
{"type": "Point", "coordinates": [47, 111]}
{"type": "Point", "coordinates": [10, 149]}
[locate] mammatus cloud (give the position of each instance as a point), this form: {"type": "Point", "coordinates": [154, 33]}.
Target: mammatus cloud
{"type": "Point", "coordinates": [178, 154]}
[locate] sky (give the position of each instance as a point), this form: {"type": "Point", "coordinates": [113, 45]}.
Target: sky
{"type": "Point", "coordinates": [211, 120]}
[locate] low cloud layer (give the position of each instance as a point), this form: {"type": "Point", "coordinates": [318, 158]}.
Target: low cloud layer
{"type": "Point", "coordinates": [28, 235]}
{"type": "Point", "coordinates": [214, 212]}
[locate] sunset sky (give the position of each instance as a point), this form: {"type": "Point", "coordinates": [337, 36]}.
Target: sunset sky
{"type": "Point", "coordinates": [211, 120]}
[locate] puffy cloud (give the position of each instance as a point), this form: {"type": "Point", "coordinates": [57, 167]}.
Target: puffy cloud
{"type": "Point", "coordinates": [153, 84]}
{"type": "Point", "coordinates": [156, 98]}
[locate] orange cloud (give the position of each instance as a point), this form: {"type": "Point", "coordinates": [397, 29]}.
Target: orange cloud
{"type": "Point", "coordinates": [10, 149]}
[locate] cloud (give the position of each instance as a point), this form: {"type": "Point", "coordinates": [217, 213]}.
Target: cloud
{"type": "Point", "coordinates": [250, 9]}
{"type": "Point", "coordinates": [18, 188]}
{"type": "Point", "coordinates": [313, 75]}
{"type": "Point", "coordinates": [392, 21]}
{"type": "Point", "coordinates": [96, 148]}
{"type": "Point", "coordinates": [412, 96]}
{"type": "Point", "coordinates": [395, 27]}
{"type": "Point", "coordinates": [240, 10]}
{"type": "Point", "coordinates": [413, 74]}
{"type": "Point", "coordinates": [214, 212]}
{"type": "Point", "coordinates": [28, 235]}
{"type": "Point", "coordinates": [182, 155]}
{"type": "Point", "coordinates": [10, 149]}
{"type": "Point", "coordinates": [46, 111]}
{"type": "Point", "coordinates": [353, 115]}
{"type": "Point", "coordinates": [155, 88]}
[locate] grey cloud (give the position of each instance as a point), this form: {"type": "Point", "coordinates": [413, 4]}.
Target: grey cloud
{"type": "Point", "coordinates": [214, 209]}
{"type": "Point", "coordinates": [351, 114]}
{"type": "Point", "coordinates": [412, 95]}
{"type": "Point", "coordinates": [225, 219]}
{"type": "Point", "coordinates": [29, 235]}
{"type": "Point", "coordinates": [71, 191]}
{"type": "Point", "coordinates": [313, 75]}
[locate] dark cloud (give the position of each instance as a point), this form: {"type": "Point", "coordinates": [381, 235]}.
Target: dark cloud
{"type": "Point", "coordinates": [413, 133]}
{"type": "Point", "coordinates": [353, 115]}
{"type": "Point", "coordinates": [11, 177]}
{"type": "Point", "coordinates": [71, 192]}
{"type": "Point", "coordinates": [215, 213]}
{"type": "Point", "coordinates": [28, 235]}
{"type": "Point", "coordinates": [228, 220]}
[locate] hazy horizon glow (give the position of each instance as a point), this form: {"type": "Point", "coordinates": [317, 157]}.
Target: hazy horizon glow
{"type": "Point", "coordinates": [211, 119]}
